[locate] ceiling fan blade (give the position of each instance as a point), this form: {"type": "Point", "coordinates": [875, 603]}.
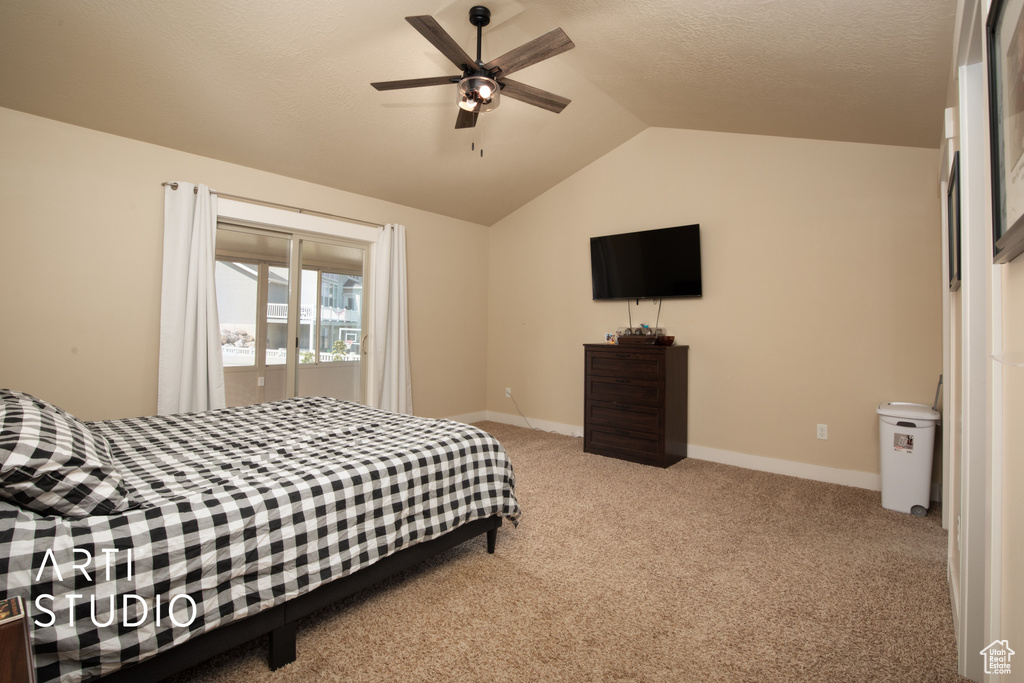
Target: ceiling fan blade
{"type": "Point", "coordinates": [548, 45]}
{"type": "Point", "coordinates": [416, 82]}
{"type": "Point", "coordinates": [439, 38]}
{"type": "Point", "coordinates": [535, 96]}
{"type": "Point", "coordinates": [467, 119]}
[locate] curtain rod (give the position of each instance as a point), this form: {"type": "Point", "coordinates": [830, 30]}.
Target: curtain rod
{"type": "Point", "coordinates": [296, 209]}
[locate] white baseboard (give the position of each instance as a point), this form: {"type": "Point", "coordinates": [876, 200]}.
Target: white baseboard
{"type": "Point", "coordinates": [469, 418]}
{"type": "Point", "coordinates": [543, 425]}
{"type": "Point", "coordinates": [832, 475]}
{"type": "Point", "coordinates": [519, 421]}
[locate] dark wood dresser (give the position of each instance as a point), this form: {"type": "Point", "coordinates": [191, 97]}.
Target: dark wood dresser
{"type": "Point", "coordinates": [635, 402]}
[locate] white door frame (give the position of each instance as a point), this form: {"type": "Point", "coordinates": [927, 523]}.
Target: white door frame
{"type": "Point", "coordinates": [978, 614]}
{"type": "Point", "coordinates": [975, 363]}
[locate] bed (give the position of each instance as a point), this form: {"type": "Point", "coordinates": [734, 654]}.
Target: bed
{"type": "Point", "coordinates": [142, 546]}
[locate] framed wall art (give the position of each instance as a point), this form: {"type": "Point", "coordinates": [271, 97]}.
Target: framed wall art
{"type": "Point", "coordinates": [1005, 35]}
{"type": "Point", "coordinates": [953, 222]}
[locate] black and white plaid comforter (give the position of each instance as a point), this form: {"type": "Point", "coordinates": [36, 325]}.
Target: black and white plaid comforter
{"type": "Point", "coordinates": [239, 510]}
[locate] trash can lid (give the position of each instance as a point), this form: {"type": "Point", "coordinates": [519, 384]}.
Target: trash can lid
{"type": "Point", "coordinates": [910, 411]}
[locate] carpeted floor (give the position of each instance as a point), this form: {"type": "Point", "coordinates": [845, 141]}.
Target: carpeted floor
{"type": "Point", "coordinates": [622, 572]}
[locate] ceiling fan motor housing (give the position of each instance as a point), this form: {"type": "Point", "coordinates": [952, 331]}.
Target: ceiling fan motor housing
{"type": "Point", "coordinates": [479, 16]}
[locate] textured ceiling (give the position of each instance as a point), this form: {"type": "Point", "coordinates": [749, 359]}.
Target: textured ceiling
{"type": "Point", "coordinates": [284, 86]}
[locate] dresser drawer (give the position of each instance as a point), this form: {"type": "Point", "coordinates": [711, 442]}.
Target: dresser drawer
{"type": "Point", "coordinates": [623, 416]}
{"type": "Point", "coordinates": [624, 390]}
{"type": "Point", "coordinates": [622, 443]}
{"type": "Point", "coordinates": [615, 363]}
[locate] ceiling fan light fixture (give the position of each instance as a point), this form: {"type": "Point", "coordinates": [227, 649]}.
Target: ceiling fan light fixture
{"type": "Point", "coordinates": [479, 93]}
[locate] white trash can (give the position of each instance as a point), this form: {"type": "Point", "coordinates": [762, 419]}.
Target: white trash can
{"type": "Point", "coordinates": [907, 442]}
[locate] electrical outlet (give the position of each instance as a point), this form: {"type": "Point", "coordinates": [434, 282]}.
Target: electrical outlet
{"type": "Point", "coordinates": [822, 431]}
{"type": "Point", "coordinates": [508, 392]}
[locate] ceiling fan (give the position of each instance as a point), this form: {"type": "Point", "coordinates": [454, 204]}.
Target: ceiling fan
{"type": "Point", "coordinates": [481, 85]}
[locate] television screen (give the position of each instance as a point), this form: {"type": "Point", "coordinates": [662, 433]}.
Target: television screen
{"type": "Point", "coordinates": [650, 264]}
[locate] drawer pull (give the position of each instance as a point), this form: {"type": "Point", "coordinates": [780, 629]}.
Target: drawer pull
{"type": "Point", "coordinates": [622, 381]}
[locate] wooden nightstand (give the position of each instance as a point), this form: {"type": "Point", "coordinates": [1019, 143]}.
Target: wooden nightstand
{"type": "Point", "coordinates": [17, 664]}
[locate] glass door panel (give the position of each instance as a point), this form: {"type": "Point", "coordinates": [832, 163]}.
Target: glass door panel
{"type": "Point", "coordinates": [330, 339]}
{"type": "Point", "coordinates": [252, 303]}
{"type": "Point", "coordinates": [341, 296]}
{"type": "Point", "coordinates": [237, 294]}
{"type": "Point", "coordinates": [307, 316]}
{"type": "Point", "coordinates": [277, 315]}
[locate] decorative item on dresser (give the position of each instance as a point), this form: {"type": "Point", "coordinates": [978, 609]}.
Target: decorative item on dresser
{"type": "Point", "coordinates": [635, 402]}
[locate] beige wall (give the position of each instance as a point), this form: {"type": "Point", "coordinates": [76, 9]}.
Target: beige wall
{"type": "Point", "coordinates": [822, 287]}
{"type": "Point", "coordinates": [820, 277]}
{"type": "Point", "coordinates": [81, 216]}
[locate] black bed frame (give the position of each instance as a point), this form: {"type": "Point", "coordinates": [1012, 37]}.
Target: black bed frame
{"type": "Point", "coordinates": [281, 620]}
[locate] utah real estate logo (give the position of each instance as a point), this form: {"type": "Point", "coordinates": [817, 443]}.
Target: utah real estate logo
{"type": "Point", "coordinates": [997, 657]}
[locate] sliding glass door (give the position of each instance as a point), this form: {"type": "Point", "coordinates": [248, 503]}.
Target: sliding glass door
{"type": "Point", "coordinates": [268, 345]}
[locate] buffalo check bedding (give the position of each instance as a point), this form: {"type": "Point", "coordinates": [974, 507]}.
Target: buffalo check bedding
{"type": "Point", "coordinates": [215, 516]}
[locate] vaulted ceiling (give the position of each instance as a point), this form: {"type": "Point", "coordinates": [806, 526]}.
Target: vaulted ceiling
{"type": "Point", "coordinates": [283, 86]}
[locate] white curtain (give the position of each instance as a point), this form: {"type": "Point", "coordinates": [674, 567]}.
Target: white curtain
{"type": "Point", "coordinates": [391, 383]}
{"type": "Point", "coordinates": [191, 373]}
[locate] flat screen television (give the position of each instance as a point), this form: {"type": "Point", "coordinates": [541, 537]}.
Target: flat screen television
{"type": "Point", "coordinates": [650, 264]}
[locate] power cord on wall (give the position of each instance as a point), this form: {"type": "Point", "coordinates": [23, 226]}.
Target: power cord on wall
{"type": "Point", "coordinates": [519, 411]}
{"type": "Point", "coordinates": [508, 394]}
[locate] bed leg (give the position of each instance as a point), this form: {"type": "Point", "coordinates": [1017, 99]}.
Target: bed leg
{"type": "Point", "coordinates": [492, 539]}
{"type": "Point", "coordinates": [282, 646]}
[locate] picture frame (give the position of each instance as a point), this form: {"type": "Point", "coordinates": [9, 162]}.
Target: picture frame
{"type": "Point", "coordinates": [953, 222]}
{"type": "Point", "coordinates": [1005, 39]}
